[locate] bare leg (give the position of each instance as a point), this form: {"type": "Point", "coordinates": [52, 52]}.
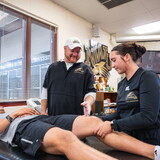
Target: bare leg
{"type": "Point", "coordinates": [58, 141]}
{"type": "Point", "coordinates": [85, 126]}
{"type": "Point", "coordinates": [124, 142]}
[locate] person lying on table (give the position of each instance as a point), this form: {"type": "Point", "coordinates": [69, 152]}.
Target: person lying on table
{"type": "Point", "coordinates": [58, 135]}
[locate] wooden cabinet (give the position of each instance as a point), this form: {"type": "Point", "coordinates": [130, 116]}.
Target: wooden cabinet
{"type": "Point", "coordinates": [101, 96]}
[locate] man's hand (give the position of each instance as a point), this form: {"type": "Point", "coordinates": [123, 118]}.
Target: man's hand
{"type": "Point", "coordinates": [23, 112]}
{"type": "Point", "coordinates": [2, 110]}
{"type": "Point", "coordinates": [44, 113]}
{"type": "Point", "coordinates": [86, 108]}
{"type": "Point", "coordinates": [104, 129]}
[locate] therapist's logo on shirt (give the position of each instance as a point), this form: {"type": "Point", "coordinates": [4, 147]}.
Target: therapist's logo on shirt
{"type": "Point", "coordinates": [79, 70]}
{"type": "Point", "coordinates": [131, 97]}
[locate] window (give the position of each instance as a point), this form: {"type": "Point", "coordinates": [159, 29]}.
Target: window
{"type": "Point", "coordinates": [27, 47]}
{"type": "Point", "coordinates": [40, 57]}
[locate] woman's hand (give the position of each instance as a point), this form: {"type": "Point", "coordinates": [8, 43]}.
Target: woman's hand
{"type": "Point", "coordinates": [104, 129]}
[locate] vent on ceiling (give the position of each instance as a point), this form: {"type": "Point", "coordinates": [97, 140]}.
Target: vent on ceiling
{"type": "Point", "coordinates": [113, 3]}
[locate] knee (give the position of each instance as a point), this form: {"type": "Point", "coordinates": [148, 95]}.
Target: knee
{"type": "Point", "coordinates": [94, 120]}
{"type": "Point", "coordinates": [56, 140]}
{"type": "Point", "coordinates": [64, 137]}
{"type": "Point", "coordinates": [90, 119]}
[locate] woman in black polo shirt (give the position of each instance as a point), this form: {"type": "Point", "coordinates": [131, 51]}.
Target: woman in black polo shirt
{"type": "Point", "coordinates": [138, 100]}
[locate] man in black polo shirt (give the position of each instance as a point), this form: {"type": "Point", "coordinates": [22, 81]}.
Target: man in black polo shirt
{"type": "Point", "coordinates": [68, 85]}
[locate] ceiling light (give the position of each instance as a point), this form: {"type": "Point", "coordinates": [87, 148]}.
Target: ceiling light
{"type": "Point", "coordinates": [148, 28]}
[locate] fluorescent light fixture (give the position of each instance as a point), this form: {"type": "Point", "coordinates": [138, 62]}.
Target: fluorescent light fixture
{"type": "Point", "coordinates": [144, 38]}
{"type": "Point", "coordinates": [148, 28]}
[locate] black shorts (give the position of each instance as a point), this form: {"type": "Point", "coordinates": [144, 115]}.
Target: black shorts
{"type": "Point", "coordinates": [30, 133]}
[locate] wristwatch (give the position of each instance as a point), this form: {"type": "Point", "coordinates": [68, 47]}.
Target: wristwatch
{"type": "Point", "coordinates": [10, 119]}
{"type": "Point", "coordinates": [113, 126]}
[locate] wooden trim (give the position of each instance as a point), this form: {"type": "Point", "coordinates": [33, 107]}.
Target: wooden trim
{"type": "Point", "coordinates": [26, 59]}
{"type": "Point", "coordinates": [53, 45]}
{"type": "Point", "coordinates": [8, 104]}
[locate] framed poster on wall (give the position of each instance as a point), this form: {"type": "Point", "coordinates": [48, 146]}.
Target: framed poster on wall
{"type": "Point", "coordinates": [151, 61]}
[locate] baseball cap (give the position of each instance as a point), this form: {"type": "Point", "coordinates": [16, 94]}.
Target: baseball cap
{"type": "Point", "coordinates": [73, 42]}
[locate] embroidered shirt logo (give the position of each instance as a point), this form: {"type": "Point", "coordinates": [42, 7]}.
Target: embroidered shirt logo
{"type": "Point", "coordinates": [127, 88]}
{"type": "Point", "coordinates": [131, 97]}
{"type": "Point", "coordinates": [79, 70]}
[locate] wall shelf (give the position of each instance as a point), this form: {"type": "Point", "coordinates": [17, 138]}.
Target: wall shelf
{"type": "Point", "coordinates": [100, 97]}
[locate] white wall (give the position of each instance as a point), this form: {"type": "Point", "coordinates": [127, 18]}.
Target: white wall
{"type": "Point", "coordinates": [68, 25]}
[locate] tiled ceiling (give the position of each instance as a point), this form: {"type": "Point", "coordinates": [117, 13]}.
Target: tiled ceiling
{"type": "Point", "coordinates": [118, 19]}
